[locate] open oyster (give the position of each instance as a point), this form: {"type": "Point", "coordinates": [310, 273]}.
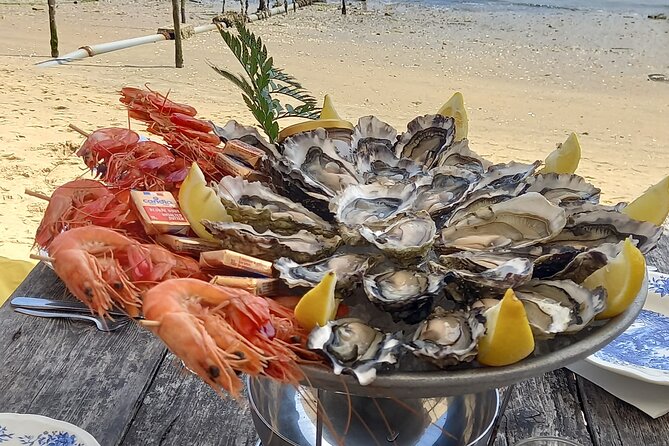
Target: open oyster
{"type": "Point", "coordinates": [443, 189]}
{"type": "Point", "coordinates": [373, 141]}
{"type": "Point", "coordinates": [569, 264]}
{"type": "Point", "coordinates": [303, 246]}
{"type": "Point", "coordinates": [405, 238]}
{"type": "Point", "coordinates": [460, 155]}
{"type": "Point", "coordinates": [258, 206]}
{"type": "Point", "coordinates": [545, 302]}
{"type": "Point", "coordinates": [248, 134]}
{"type": "Point", "coordinates": [351, 345]}
{"type": "Point", "coordinates": [406, 294]}
{"type": "Point", "coordinates": [521, 221]}
{"type": "Point", "coordinates": [448, 337]}
{"type": "Point", "coordinates": [480, 199]}
{"type": "Point", "coordinates": [558, 188]}
{"type": "Point", "coordinates": [349, 269]}
{"type": "Point", "coordinates": [507, 174]}
{"type": "Point", "coordinates": [425, 139]}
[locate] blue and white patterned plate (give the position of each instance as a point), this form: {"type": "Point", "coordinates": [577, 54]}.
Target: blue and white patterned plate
{"type": "Point", "coordinates": [642, 351]}
{"type": "Point", "coordinates": [35, 430]}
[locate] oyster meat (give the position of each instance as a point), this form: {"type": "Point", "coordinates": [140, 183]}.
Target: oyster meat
{"type": "Point", "coordinates": [405, 238]}
{"type": "Point", "coordinates": [257, 205]}
{"type": "Point", "coordinates": [351, 345]}
{"type": "Point", "coordinates": [480, 199]}
{"type": "Point", "coordinates": [348, 267]}
{"type": "Point", "coordinates": [443, 189]}
{"type": "Point", "coordinates": [448, 338]}
{"type": "Point", "coordinates": [521, 221]}
{"type": "Point", "coordinates": [302, 246]}
{"type": "Point", "coordinates": [405, 293]}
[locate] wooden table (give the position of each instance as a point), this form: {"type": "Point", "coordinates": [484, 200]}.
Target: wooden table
{"type": "Point", "coordinates": [126, 389]}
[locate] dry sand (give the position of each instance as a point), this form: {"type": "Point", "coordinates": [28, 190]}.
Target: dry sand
{"type": "Point", "coordinates": [529, 78]}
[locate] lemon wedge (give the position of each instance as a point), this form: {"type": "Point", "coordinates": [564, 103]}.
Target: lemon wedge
{"type": "Point", "coordinates": [318, 306]}
{"type": "Point", "coordinates": [328, 111]}
{"type": "Point", "coordinates": [652, 205]}
{"type": "Point", "coordinates": [508, 337]}
{"type": "Point", "coordinates": [622, 278]}
{"type": "Point", "coordinates": [455, 108]}
{"type": "Point", "coordinates": [199, 202]}
{"type": "Point", "coordinates": [565, 158]}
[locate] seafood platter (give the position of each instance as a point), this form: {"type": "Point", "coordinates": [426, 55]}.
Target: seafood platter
{"type": "Point", "coordinates": [342, 256]}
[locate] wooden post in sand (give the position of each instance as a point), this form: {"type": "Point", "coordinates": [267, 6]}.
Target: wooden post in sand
{"type": "Point", "coordinates": [343, 7]}
{"type": "Point", "coordinates": [178, 50]}
{"type": "Point", "coordinates": [52, 27]}
{"type": "Point", "coordinates": [183, 11]}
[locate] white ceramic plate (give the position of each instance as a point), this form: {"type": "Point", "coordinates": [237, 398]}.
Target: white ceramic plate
{"type": "Point", "coordinates": [35, 430]}
{"type": "Point", "coordinates": [642, 351]}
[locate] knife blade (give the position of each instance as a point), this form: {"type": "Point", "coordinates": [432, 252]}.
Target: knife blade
{"type": "Point", "coordinates": [38, 303]}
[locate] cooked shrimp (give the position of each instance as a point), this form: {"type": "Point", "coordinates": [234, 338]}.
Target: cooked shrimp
{"type": "Point", "coordinates": [217, 331]}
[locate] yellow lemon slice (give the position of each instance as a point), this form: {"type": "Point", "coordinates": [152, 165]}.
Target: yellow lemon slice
{"type": "Point", "coordinates": [318, 306]}
{"type": "Point", "coordinates": [652, 205]}
{"type": "Point", "coordinates": [455, 108]}
{"type": "Point", "coordinates": [199, 202]}
{"type": "Point", "coordinates": [622, 278]}
{"type": "Point", "coordinates": [565, 158]}
{"type": "Point", "coordinates": [508, 337]}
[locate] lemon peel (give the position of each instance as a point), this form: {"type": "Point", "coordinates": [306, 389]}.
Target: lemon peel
{"type": "Point", "coordinates": [651, 206]}
{"type": "Point", "coordinates": [318, 305]}
{"type": "Point", "coordinates": [508, 337]}
{"type": "Point", "coordinates": [622, 278]}
{"type": "Point", "coordinates": [565, 158]}
{"type": "Point", "coordinates": [199, 202]}
{"type": "Point", "coordinates": [455, 108]}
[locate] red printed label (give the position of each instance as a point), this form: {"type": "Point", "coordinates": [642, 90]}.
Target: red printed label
{"type": "Point", "coordinates": [164, 214]}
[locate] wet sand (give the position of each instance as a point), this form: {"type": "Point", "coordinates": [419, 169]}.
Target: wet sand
{"type": "Point", "coordinates": [528, 77]}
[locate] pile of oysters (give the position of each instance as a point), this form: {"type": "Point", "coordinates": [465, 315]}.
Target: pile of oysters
{"type": "Point", "coordinates": [423, 235]}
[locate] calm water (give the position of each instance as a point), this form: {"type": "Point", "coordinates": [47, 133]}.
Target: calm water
{"type": "Point", "coordinates": [643, 6]}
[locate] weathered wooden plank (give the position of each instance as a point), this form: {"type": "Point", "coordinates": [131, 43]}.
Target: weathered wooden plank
{"type": "Point", "coordinates": [547, 405]}
{"type": "Point", "coordinates": [70, 370]}
{"type": "Point", "coordinates": [181, 409]}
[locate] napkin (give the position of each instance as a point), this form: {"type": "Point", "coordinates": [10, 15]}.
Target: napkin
{"type": "Point", "coordinates": [12, 273]}
{"type": "Point", "coordinates": [652, 399]}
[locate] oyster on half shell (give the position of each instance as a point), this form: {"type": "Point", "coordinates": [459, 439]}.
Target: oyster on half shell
{"type": "Point", "coordinates": [405, 238]}
{"type": "Point", "coordinates": [558, 188]}
{"type": "Point", "coordinates": [257, 205]}
{"type": "Point", "coordinates": [302, 246]}
{"type": "Point", "coordinates": [351, 345]}
{"type": "Point", "coordinates": [348, 267]}
{"type": "Point", "coordinates": [521, 221]}
{"type": "Point", "coordinates": [460, 155]}
{"type": "Point", "coordinates": [373, 141]}
{"type": "Point", "coordinates": [448, 338]}
{"type": "Point", "coordinates": [425, 139]}
{"type": "Point", "coordinates": [406, 294]}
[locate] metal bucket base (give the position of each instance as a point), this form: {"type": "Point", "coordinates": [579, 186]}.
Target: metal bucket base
{"type": "Point", "coordinates": [286, 416]}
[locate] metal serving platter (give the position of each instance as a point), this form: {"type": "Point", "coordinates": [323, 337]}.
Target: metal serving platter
{"type": "Point", "coordinates": [549, 355]}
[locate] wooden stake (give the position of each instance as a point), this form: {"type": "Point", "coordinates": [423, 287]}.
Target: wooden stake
{"type": "Point", "coordinates": [52, 28]}
{"type": "Point", "coordinates": [183, 11]}
{"type": "Point", "coordinates": [148, 324]}
{"type": "Point", "coordinates": [35, 194]}
{"type": "Point", "coordinates": [343, 7]}
{"type": "Point", "coordinates": [178, 50]}
{"type": "Point", "coordinates": [79, 130]}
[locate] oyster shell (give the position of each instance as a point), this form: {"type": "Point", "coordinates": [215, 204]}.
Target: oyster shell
{"type": "Point", "coordinates": [302, 246]}
{"type": "Point", "coordinates": [313, 159]}
{"type": "Point", "coordinates": [405, 293]}
{"type": "Point", "coordinates": [448, 337]}
{"type": "Point", "coordinates": [480, 199]}
{"type": "Point", "coordinates": [571, 264]}
{"type": "Point", "coordinates": [373, 140]}
{"type": "Point", "coordinates": [351, 345]}
{"type": "Point", "coordinates": [595, 227]}
{"type": "Point", "coordinates": [447, 186]}
{"type": "Point", "coordinates": [349, 269]}
{"type": "Point", "coordinates": [558, 188]}
{"type": "Point", "coordinates": [460, 155]}
{"type": "Point", "coordinates": [257, 205]}
{"type": "Point", "coordinates": [426, 137]}
{"type": "Point", "coordinates": [404, 172]}
{"type": "Point", "coordinates": [470, 276]}
{"type": "Point", "coordinates": [521, 221]}
{"type": "Point", "coordinates": [248, 134]}
{"type": "Point", "coordinates": [406, 237]}
{"type": "Point", "coordinates": [369, 204]}
{"type": "Point", "coordinates": [505, 175]}
{"type": "Point", "coordinates": [543, 295]}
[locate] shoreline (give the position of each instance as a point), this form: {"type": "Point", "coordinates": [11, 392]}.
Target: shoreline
{"type": "Point", "coordinates": [528, 79]}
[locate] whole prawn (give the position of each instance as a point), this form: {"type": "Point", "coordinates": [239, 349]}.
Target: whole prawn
{"type": "Point", "coordinates": [218, 331]}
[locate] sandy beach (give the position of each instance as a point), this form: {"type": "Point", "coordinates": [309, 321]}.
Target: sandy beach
{"type": "Point", "coordinates": [529, 78]}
